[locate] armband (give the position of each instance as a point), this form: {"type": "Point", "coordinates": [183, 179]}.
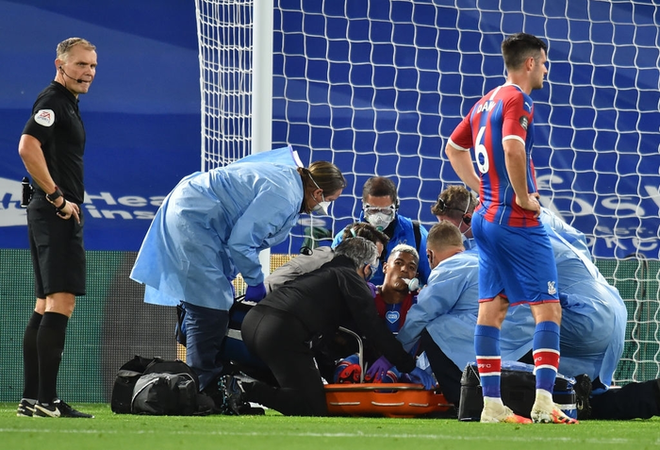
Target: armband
{"type": "Point", "coordinates": [54, 196]}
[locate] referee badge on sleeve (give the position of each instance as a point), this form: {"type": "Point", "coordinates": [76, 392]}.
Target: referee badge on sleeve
{"type": "Point", "coordinates": [45, 117]}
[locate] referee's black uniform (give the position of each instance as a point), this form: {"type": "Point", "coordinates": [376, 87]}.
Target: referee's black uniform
{"type": "Point", "coordinates": [58, 253]}
{"type": "Point", "coordinates": [280, 328]}
{"type": "Point", "coordinates": [56, 245]}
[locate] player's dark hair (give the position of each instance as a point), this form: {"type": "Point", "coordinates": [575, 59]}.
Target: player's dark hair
{"type": "Point", "coordinates": [367, 231]}
{"type": "Point", "coordinates": [380, 187]}
{"type": "Point", "coordinates": [518, 47]}
{"type": "Point", "coordinates": [405, 248]}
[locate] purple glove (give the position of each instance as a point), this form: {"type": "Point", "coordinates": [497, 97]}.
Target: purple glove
{"type": "Point", "coordinates": [255, 293]}
{"type": "Point", "coordinates": [420, 376]}
{"type": "Point", "coordinates": [377, 370]}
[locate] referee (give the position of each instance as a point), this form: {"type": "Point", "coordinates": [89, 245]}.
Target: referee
{"type": "Point", "coordinates": [52, 147]}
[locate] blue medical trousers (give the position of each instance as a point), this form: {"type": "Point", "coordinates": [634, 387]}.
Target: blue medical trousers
{"type": "Point", "coordinates": [205, 331]}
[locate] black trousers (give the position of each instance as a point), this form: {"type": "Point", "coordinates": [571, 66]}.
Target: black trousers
{"type": "Point", "coordinates": [281, 341]}
{"type": "Point", "coordinates": [444, 369]}
{"type": "Point", "coordinates": [632, 401]}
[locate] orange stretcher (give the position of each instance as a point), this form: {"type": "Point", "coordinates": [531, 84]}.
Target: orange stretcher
{"type": "Point", "coordinates": [378, 399]}
{"type": "Point", "coordinates": [382, 399]}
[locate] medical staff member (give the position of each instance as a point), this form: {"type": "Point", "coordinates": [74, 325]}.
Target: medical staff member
{"type": "Point", "coordinates": [211, 227]}
{"type": "Point", "coordinates": [284, 329]}
{"type": "Point", "coordinates": [380, 208]}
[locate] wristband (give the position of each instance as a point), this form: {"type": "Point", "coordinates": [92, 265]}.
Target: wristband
{"type": "Point", "coordinates": [58, 209]}
{"type": "Point", "coordinates": [54, 196]}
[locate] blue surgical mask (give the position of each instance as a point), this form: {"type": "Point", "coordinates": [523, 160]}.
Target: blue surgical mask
{"type": "Point", "coordinates": [371, 272]}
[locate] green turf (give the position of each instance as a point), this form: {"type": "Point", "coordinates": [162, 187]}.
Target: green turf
{"type": "Point", "coordinates": [273, 431]}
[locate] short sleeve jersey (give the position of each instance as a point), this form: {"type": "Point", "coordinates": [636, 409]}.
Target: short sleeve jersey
{"type": "Point", "coordinates": [504, 113]}
{"type": "Point", "coordinates": [56, 124]}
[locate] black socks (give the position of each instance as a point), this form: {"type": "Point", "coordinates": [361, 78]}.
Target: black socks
{"type": "Point", "coordinates": [50, 345]}
{"type": "Point", "coordinates": [31, 358]}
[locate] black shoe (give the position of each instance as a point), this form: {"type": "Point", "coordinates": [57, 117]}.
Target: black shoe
{"type": "Point", "coordinates": [25, 408]}
{"type": "Point", "coordinates": [58, 409]}
{"type": "Point", "coordinates": [582, 395]}
{"type": "Point", "coordinates": [232, 395]}
{"type": "Point", "coordinates": [248, 410]}
{"type": "Point", "coordinates": [210, 401]}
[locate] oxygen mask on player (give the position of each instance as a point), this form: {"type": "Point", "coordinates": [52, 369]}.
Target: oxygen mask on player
{"type": "Point", "coordinates": [413, 283]}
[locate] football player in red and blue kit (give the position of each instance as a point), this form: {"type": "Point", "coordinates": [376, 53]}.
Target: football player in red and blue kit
{"type": "Point", "coordinates": [516, 263]}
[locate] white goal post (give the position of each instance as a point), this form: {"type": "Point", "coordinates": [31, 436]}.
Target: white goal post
{"type": "Point", "coordinates": [376, 86]}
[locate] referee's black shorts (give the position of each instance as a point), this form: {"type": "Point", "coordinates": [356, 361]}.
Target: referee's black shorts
{"type": "Point", "coordinates": [58, 254]}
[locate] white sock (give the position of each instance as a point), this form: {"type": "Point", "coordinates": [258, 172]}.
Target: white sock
{"type": "Point", "coordinates": [493, 402]}
{"type": "Point", "coordinates": [544, 397]}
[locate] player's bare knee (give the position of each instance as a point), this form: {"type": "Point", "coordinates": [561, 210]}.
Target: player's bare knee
{"type": "Point", "coordinates": [546, 312]}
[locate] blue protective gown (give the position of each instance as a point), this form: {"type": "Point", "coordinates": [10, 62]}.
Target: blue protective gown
{"type": "Point", "coordinates": [448, 307]}
{"type": "Point", "coordinates": [213, 225]}
{"type": "Point", "coordinates": [593, 313]}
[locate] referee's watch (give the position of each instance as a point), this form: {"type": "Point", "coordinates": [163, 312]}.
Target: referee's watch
{"type": "Point", "coordinates": [54, 196]}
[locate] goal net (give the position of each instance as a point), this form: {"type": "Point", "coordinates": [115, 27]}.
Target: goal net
{"type": "Point", "coordinates": [377, 87]}
{"type": "Point", "coordinates": [224, 29]}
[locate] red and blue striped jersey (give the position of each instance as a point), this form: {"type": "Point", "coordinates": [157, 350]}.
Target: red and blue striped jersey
{"type": "Point", "coordinates": [504, 113]}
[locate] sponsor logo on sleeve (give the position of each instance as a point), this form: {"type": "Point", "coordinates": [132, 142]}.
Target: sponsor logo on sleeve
{"type": "Point", "coordinates": [524, 122]}
{"type": "Point", "coordinates": [45, 117]}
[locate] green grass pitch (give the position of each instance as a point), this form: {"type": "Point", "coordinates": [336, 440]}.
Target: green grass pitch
{"type": "Point", "coordinates": [273, 431]}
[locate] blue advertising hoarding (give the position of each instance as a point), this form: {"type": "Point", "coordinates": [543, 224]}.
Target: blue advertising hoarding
{"type": "Point", "coordinates": [597, 118]}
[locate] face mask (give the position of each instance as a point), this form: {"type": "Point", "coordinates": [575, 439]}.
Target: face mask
{"type": "Point", "coordinates": [321, 208]}
{"type": "Point", "coordinates": [371, 273]}
{"type": "Point", "coordinates": [379, 220]}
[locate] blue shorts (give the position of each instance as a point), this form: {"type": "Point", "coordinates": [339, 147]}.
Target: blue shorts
{"type": "Point", "coordinates": [517, 263]}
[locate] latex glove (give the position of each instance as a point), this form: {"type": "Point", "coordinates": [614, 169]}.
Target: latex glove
{"type": "Point", "coordinates": [377, 370]}
{"type": "Point", "coordinates": [422, 377]}
{"type": "Point", "coordinates": [255, 293]}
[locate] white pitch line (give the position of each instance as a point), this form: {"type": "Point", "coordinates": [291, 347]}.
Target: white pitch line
{"type": "Point", "coordinates": [564, 440]}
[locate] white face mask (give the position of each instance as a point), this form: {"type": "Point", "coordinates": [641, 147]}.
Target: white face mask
{"type": "Point", "coordinates": [379, 220]}
{"type": "Point", "coordinates": [321, 208]}
{"type": "Point", "coordinates": [379, 217]}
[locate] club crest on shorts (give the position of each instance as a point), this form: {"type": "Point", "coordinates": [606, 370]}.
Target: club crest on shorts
{"type": "Point", "coordinates": [45, 117]}
{"type": "Point", "coordinates": [552, 290]}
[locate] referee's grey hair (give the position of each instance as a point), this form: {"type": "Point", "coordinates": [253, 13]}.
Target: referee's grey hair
{"type": "Point", "coordinates": [64, 47]}
{"type": "Point", "coordinates": [359, 250]}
